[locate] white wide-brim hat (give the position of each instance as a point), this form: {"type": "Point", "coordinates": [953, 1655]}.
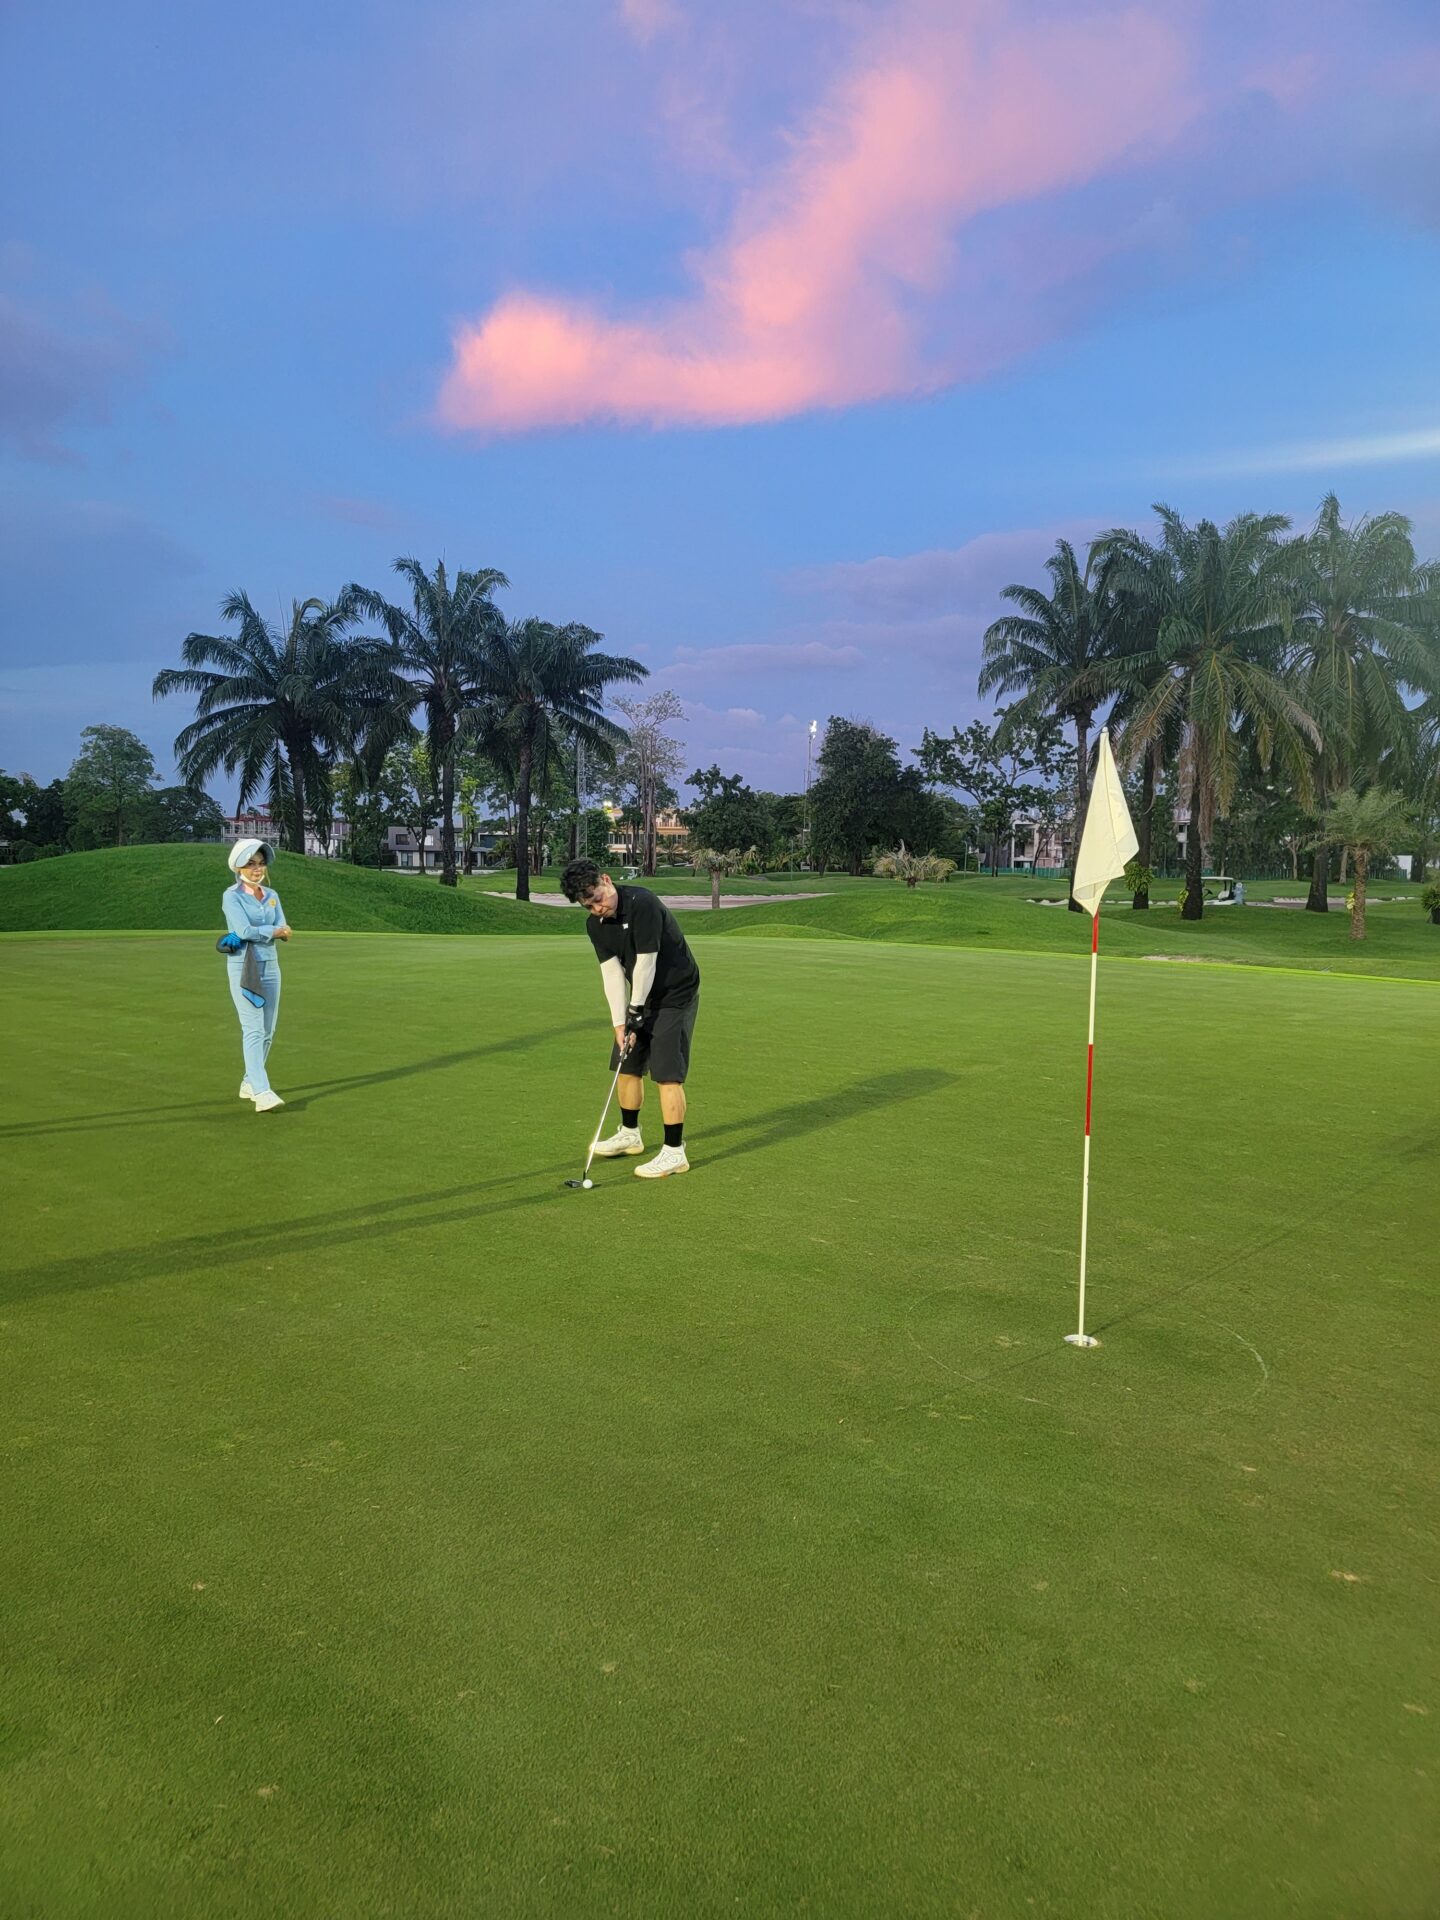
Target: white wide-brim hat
{"type": "Point", "coordinates": [244, 851]}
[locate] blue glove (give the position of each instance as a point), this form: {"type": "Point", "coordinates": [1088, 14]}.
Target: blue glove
{"type": "Point", "coordinates": [229, 943]}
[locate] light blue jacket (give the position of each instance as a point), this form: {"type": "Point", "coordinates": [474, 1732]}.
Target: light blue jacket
{"type": "Point", "coordinates": [254, 920]}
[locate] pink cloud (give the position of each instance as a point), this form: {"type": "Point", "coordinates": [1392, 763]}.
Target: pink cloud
{"type": "Point", "coordinates": [816, 295]}
{"type": "Point", "coordinates": [646, 18]}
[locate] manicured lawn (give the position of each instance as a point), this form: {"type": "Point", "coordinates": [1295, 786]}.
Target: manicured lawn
{"type": "Point", "coordinates": [389, 1531]}
{"type": "Point", "coordinates": [164, 888]}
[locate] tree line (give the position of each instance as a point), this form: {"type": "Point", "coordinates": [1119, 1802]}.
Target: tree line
{"type": "Point", "coordinates": [1245, 665]}
{"type": "Point", "coordinates": [111, 797]}
{"type": "Point", "coordinates": [1277, 693]}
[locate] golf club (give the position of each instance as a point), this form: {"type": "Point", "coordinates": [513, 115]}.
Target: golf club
{"type": "Point", "coordinates": [585, 1180]}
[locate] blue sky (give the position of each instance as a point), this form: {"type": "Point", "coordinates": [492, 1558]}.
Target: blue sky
{"type": "Point", "coordinates": [770, 339]}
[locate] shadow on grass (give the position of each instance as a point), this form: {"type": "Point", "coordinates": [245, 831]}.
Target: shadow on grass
{"type": "Point", "coordinates": [762, 1130]}
{"type": "Point", "coordinates": [410, 1213]}
{"type": "Point", "coordinates": [296, 1100]}
{"type": "Point", "coordinates": [218, 1251]}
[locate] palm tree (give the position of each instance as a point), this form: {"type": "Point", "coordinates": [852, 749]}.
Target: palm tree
{"type": "Point", "coordinates": [1364, 620]}
{"type": "Point", "coordinates": [439, 649]}
{"type": "Point", "coordinates": [1370, 825]}
{"type": "Point", "coordinates": [277, 707]}
{"type": "Point", "coordinates": [1136, 668]}
{"type": "Point", "coordinates": [1215, 599]}
{"type": "Point", "coordinates": [717, 861]}
{"type": "Point", "coordinates": [1058, 652]}
{"type": "Point", "coordinates": [541, 687]}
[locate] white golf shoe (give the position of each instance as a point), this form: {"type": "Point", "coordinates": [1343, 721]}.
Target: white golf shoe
{"type": "Point", "coordinates": [267, 1102]}
{"type": "Point", "coordinates": [247, 1092]}
{"type": "Point", "coordinates": [669, 1160]}
{"type": "Point", "coordinates": [625, 1140]}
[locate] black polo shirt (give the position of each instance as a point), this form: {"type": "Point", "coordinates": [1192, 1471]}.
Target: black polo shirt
{"type": "Point", "coordinates": [644, 924]}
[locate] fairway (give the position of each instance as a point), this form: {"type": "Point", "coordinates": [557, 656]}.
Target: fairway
{"type": "Point", "coordinates": [392, 1532]}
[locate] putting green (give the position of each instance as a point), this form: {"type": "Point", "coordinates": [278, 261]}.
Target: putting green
{"type": "Point", "coordinates": [391, 1531]}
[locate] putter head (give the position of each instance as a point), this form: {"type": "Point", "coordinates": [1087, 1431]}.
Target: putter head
{"type": "Point", "coordinates": [575, 1183]}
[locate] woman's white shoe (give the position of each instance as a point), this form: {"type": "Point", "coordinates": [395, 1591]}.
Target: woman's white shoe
{"type": "Point", "coordinates": [267, 1102]}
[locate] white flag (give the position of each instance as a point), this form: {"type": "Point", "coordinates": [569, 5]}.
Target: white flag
{"type": "Point", "coordinates": [1108, 839]}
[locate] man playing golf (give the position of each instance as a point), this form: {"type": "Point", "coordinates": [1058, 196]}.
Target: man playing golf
{"type": "Point", "coordinates": [652, 986]}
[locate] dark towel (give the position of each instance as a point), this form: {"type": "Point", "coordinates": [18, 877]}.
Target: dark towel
{"type": "Point", "coordinates": [231, 943]}
{"type": "Point", "coordinates": [250, 977]}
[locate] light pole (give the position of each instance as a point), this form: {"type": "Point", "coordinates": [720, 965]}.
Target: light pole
{"type": "Point", "coordinates": [809, 749]}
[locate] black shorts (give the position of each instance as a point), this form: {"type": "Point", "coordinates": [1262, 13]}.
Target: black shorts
{"type": "Point", "coordinates": [663, 1047]}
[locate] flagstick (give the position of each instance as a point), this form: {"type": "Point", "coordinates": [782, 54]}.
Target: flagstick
{"type": "Point", "coordinates": [1081, 1338]}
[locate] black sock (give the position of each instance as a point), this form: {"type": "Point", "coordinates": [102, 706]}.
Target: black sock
{"type": "Point", "coordinates": [675, 1136]}
{"type": "Point", "coordinates": [629, 1116]}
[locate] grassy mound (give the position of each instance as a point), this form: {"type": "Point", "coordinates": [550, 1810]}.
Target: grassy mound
{"type": "Point", "coordinates": [151, 888]}
{"type": "Point", "coordinates": [1000, 915]}
{"type": "Point", "coordinates": [148, 889]}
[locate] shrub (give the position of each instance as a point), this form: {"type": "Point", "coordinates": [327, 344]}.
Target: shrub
{"type": "Point", "coordinates": [912, 868]}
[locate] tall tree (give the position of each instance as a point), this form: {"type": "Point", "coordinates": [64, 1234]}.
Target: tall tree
{"type": "Point", "coordinates": [14, 793]}
{"type": "Point", "coordinates": [1136, 669]}
{"type": "Point", "coordinates": [409, 792]}
{"type": "Point", "coordinates": [48, 818]}
{"type": "Point", "coordinates": [728, 813]}
{"type": "Point", "coordinates": [440, 643]}
{"type": "Point", "coordinates": [1365, 615]}
{"type": "Point", "coordinates": [651, 760]}
{"type": "Point", "coordinates": [539, 687]}
{"type": "Point", "coordinates": [183, 813]}
{"type": "Point", "coordinates": [1216, 600]}
{"type": "Point", "coordinates": [855, 800]}
{"type": "Point", "coordinates": [278, 707]}
{"type": "Point", "coordinates": [996, 766]}
{"type": "Point", "coordinates": [1057, 652]}
{"type": "Point", "coordinates": [111, 785]}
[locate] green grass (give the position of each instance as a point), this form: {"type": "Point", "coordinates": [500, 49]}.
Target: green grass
{"type": "Point", "coordinates": [389, 1531]}
{"type": "Point", "coordinates": [158, 888]}
{"type": "Point", "coordinates": [153, 888]}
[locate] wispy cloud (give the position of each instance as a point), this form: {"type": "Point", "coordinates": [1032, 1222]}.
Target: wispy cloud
{"type": "Point", "coordinates": [1317, 456]}
{"type": "Point", "coordinates": [941, 580]}
{"type": "Point", "coordinates": [818, 294]}
{"type": "Point", "coordinates": [760, 657]}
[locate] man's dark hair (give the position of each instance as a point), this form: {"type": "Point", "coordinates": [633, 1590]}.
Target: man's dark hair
{"type": "Point", "coordinates": [579, 879]}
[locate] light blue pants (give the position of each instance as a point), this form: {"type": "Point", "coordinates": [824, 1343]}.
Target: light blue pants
{"type": "Point", "coordinates": [257, 1024]}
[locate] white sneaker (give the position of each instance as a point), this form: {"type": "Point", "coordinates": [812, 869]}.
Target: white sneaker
{"type": "Point", "coordinates": [669, 1160]}
{"type": "Point", "coordinates": [624, 1140]}
{"type": "Point", "coordinates": [247, 1092]}
{"type": "Point", "coordinates": [267, 1102]}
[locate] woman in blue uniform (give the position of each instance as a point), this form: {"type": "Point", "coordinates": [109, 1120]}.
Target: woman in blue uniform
{"type": "Point", "coordinates": [254, 916]}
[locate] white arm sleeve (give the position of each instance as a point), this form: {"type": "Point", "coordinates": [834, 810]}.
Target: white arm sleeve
{"type": "Point", "coordinates": [644, 978]}
{"type": "Point", "coordinates": [612, 978]}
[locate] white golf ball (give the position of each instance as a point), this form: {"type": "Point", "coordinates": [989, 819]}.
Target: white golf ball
{"type": "Point", "coordinates": [587, 1183]}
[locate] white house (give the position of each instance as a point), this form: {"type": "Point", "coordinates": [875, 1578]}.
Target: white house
{"type": "Point", "coordinates": [260, 824]}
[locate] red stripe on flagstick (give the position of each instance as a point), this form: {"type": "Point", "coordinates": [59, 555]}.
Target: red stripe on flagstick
{"type": "Point", "coordinates": [1090, 1050]}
